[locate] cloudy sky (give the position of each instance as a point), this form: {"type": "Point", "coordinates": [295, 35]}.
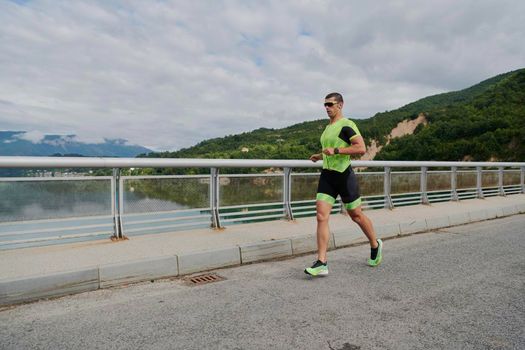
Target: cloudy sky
{"type": "Point", "coordinates": [168, 74]}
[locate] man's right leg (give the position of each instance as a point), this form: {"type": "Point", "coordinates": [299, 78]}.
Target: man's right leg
{"type": "Point", "coordinates": [323, 236]}
{"type": "Point", "coordinates": [323, 231]}
{"type": "Point", "coordinates": [325, 197]}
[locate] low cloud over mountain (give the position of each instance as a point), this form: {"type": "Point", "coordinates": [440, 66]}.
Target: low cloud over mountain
{"type": "Point", "coordinates": [22, 143]}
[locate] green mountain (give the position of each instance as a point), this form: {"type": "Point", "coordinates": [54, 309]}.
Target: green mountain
{"type": "Point", "coordinates": [483, 122]}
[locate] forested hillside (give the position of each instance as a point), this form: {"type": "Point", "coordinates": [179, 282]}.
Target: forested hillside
{"type": "Point", "coordinates": [483, 122]}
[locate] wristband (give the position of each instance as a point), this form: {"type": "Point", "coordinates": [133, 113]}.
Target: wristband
{"type": "Point", "coordinates": [336, 150]}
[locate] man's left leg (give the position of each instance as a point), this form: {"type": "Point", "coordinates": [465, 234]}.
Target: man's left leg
{"type": "Point", "coordinates": [376, 245]}
{"type": "Point", "coordinates": [352, 199]}
{"type": "Point", "coordinates": [364, 222]}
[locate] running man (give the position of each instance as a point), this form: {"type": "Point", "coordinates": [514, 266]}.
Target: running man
{"type": "Point", "coordinates": [339, 141]}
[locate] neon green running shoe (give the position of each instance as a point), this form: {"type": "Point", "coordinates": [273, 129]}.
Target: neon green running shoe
{"type": "Point", "coordinates": [317, 269]}
{"type": "Point", "coordinates": [379, 256]}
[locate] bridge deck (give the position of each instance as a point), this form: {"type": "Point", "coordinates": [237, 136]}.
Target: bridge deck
{"type": "Point", "coordinates": [178, 253]}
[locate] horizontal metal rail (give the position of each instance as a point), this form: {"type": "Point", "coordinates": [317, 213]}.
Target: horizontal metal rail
{"type": "Point", "coordinates": [53, 238]}
{"type": "Point", "coordinates": [179, 218]}
{"type": "Point", "coordinates": [60, 178]}
{"type": "Point", "coordinates": [162, 228]}
{"type": "Point", "coordinates": [153, 177]}
{"type": "Point", "coordinates": [178, 211]}
{"type": "Point", "coordinates": [249, 205]}
{"type": "Point", "coordinates": [251, 212]}
{"type": "Point", "coordinates": [100, 162]}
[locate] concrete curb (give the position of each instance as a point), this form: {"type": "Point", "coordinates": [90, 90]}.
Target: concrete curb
{"type": "Point", "coordinates": [265, 250]}
{"type": "Point", "coordinates": [478, 215]}
{"type": "Point", "coordinates": [388, 230]}
{"type": "Point", "coordinates": [459, 219]}
{"type": "Point", "coordinates": [137, 271]}
{"type": "Point", "coordinates": [344, 238]}
{"type": "Point", "coordinates": [510, 210]}
{"type": "Point", "coordinates": [303, 244]}
{"type": "Point", "coordinates": [413, 226]}
{"type": "Point", "coordinates": [54, 285]}
{"type": "Point", "coordinates": [207, 260]}
{"type": "Point", "coordinates": [437, 223]}
{"type": "Point", "coordinates": [492, 213]}
{"type": "Point", "coordinates": [19, 290]}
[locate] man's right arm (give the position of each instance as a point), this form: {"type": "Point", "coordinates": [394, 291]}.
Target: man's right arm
{"type": "Point", "coordinates": [315, 157]}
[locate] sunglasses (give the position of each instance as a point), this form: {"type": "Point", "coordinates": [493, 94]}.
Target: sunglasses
{"type": "Point", "coordinates": [330, 104]}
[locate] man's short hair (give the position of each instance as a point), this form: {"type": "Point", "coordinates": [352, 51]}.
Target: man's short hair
{"type": "Point", "coordinates": [337, 96]}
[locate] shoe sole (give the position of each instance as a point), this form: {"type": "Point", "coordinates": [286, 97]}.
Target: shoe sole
{"type": "Point", "coordinates": [322, 273]}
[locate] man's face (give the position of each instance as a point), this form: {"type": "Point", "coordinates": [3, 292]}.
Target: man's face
{"type": "Point", "coordinates": [331, 106]}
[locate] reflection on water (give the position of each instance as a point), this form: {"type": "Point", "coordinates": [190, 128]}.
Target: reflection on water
{"type": "Point", "coordinates": [53, 199]}
{"type": "Point", "coordinates": [21, 201]}
{"type": "Point", "coordinates": [35, 211]}
{"type": "Point", "coordinates": [138, 203]}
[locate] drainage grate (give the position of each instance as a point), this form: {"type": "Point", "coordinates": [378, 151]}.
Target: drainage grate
{"type": "Point", "coordinates": [203, 279]}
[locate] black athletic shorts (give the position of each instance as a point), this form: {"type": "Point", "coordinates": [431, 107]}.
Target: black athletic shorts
{"type": "Point", "coordinates": [333, 183]}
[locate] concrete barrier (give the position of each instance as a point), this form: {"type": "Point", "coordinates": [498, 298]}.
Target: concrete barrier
{"type": "Point", "coordinates": [413, 226]}
{"type": "Point", "coordinates": [510, 210]}
{"type": "Point", "coordinates": [387, 230]}
{"type": "Point", "coordinates": [258, 251]}
{"type": "Point", "coordinates": [33, 288]}
{"type": "Point", "coordinates": [478, 215]}
{"type": "Point", "coordinates": [136, 271]}
{"type": "Point", "coordinates": [207, 260]}
{"type": "Point", "coordinates": [492, 213]}
{"type": "Point", "coordinates": [348, 236]}
{"type": "Point", "coordinates": [459, 219]}
{"type": "Point", "coordinates": [304, 244]}
{"type": "Point", "coordinates": [437, 223]}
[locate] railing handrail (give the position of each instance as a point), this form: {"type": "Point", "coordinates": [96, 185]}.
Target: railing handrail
{"type": "Point", "coordinates": [110, 162]}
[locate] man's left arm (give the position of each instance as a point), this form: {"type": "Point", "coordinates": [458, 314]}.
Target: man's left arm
{"type": "Point", "coordinates": [357, 146]}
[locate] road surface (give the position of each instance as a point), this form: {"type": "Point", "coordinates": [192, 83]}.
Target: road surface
{"type": "Point", "coordinates": [456, 288]}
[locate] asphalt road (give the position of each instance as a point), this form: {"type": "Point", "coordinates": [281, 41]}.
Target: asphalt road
{"type": "Point", "coordinates": [457, 288]}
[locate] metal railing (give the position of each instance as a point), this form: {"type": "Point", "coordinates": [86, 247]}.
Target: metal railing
{"type": "Point", "coordinates": [120, 206]}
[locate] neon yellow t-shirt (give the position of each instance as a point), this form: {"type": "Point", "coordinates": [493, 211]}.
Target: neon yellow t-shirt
{"type": "Point", "coordinates": [338, 135]}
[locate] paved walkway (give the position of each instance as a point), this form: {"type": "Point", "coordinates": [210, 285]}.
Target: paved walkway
{"type": "Point", "coordinates": [33, 273]}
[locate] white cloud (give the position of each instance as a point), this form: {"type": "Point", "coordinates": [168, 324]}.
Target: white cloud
{"type": "Point", "coordinates": [32, 136]}
{"type": "Point", "coordinates": [168, 74]}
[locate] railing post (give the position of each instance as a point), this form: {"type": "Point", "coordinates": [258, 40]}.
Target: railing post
{"type": "Point", "coordinates": [343, 208]}
{"type": "Point", "coordinates": [121, 204]}
{"type": "Point", "coordinates": [500, 181]}
{"type": "Point", "coordinates": [287, 193]}
{"type": "Point", "coordinates": [423, 185]}
{"type": "Point", "coordinates": [454, 184]}
{"type": "Point", "coordinates": [116, 203]}
{"type": "Point", "coordinates": [214, 198]}
{"type": "Point", "coordinates": [522, 179]}
{"type": "Point", "coordinates": [387, 180]}
{"type": "Point", "coordinates": [479, 182]}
